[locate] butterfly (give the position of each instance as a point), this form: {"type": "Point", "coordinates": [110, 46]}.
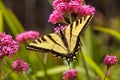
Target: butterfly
{"type": "Point", "coordinates": [64, 44]}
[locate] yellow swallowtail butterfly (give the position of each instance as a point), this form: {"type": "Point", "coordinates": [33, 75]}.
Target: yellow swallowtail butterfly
{"type": "Point", "coordinates": [64, 44]}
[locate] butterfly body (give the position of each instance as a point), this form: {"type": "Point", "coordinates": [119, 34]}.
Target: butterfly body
{"type": "Point", "coordinates": [64, 44]}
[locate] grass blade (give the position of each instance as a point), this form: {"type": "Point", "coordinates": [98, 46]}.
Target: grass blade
{"type": "Point", "coordinates": [109, 31]}
{"type": "Point", "coordinates": [11, 20]}
{"type": "Point", "coordinates": [1, 21]}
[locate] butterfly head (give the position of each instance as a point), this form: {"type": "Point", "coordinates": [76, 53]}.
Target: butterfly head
{"type": "Point", "coordinates": [70, 57]}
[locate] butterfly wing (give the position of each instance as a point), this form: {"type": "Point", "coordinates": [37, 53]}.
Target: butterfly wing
{"type": "Point", "coordinates": [48, 43]}
{"type": "Point", "coordinates": [74, 30]}
{"type": "Point", "coordinates": [64, 44]}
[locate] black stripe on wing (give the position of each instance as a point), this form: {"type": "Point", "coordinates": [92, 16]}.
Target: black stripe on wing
{"type": "Point", "coordinates": [64, 40]}
{"type": "Point", "coordinates": [38, 41]}
{"type": "Point", "coordinates": [77, 23]}
{"type": "Point", "coordinates": [80, 20]}
{"type": "Point", "coordinates": [77, 46]}
{"type": "Point", "coordinates": [86, 24]}
{"type": "Point", "coordinates": [35, 48]}
{"type": "Point", "coordinates": [43, 39]}
{"type": "Point", "coordinates": [71, 27]}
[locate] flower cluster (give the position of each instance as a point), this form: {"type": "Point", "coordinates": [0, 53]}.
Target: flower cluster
{"type": "Point", "coordinates": [55, 17]}
{"type": "Point", "coordinates": [70, 75]}
{"type": "Point", "coordinates": [8, 46]}
{"type": "Point", "coordinates": [28, 35]}
{"type": "Point", "coordinates": [110, 60]}
{"type": "Point", "coordinates": [19, 65]}
{"type": "Point", "coordinates": [66, 7]}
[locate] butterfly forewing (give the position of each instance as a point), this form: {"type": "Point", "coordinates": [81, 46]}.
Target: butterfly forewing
{"type": "Point", "coordinates": [48, 43]}
{"type": "Point", "coordinates": [74, 30]}
{"type": "Point", "coordinates": [78, 26]}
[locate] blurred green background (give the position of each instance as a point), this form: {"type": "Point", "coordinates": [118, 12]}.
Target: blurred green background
{"type": "Point", "coordinates": [101, 37]}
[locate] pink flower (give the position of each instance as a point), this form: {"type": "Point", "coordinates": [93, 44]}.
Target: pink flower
{"type": "Point", "coordinates": [19, 65]}
{"type": "Point", "coordinates": [8, 46]}
{"type": "Point", "coordinates": [63, 7]}
{"type": "Point", "coordinates": [110, 60]}
{"type": "Point", "coordinates": [56, 17]}
{"type": "Point", "coordinates": [55, 3]}
{"type": "Point", "coordinates": [65, 0]}
{"type": "Point", "coordinates": [59, 27]}
{"type": "Point", "coordinates": [70, 75]}
{"type": "Point", "coordinates": [79, 1]}
{"type": "Point", "coordinates": [28, 35]}
{"type": "Point", "coordinates": [74, 6]}
{"type": "Point", "coordinates": [86, 10]}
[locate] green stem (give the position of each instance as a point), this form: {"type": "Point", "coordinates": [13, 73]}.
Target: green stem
{"type": "Point", "coordinates": [65, 22]}
{"type": "Point", "coordinates": [0, 68]}
{"type": "Point", "coordinates": [85, 66]}
{"type": "Point", "coordinates": [106, 72]}
{"type": "Point", "coordinates": [70, 18]}
{"type": "Point", "coordinates": [44, 65]}
{"type": "Point", "coordinates": [25, 75]}
{"type": "Point", "coordinates": [2, 76]}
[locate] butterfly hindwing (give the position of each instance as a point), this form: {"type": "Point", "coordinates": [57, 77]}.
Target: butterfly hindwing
{"type": "Point", "coordinates": [63, 44]}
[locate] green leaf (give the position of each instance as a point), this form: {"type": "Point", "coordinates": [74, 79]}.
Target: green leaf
{"type": "Point", "coordinates": [52, 71]}
{"type": "Point", "coordinates": [7, 18]}
{"type": "Point", "coordinates": [11, 20]}
{"type": "Point", "coordinates": [109, 31]}
{"type": "Point", "coordinates": [94, 66]}
{"type": "Point", "coordinates": [19, 27]}
{"type": "Point", "coordinates": [16, 22]}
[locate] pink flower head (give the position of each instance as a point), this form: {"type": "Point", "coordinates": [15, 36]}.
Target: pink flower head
{"type": "Point", "coordinates": [59, 27]}
{"type": "Point", "coordinates": [110, 60]}
{"type": "Point", "coordinates": [55, 3]}
{"type": "Point", "coordinates": [8, 46]}
{"type": "Point", "coordinates": [28, 35]}
{"type": "Point", "coordinates": [19, 65]}
{"type": "Point", "coordinates": [56, 17]}
{"type": "Point", "coordinates": [65, 0]}
{"type": "Point", "coordinates": [79, 1]}
{"type": "Point", "coordinates": [70, 75]}
{"type": "Point", "coordinates": [86, 10]}
{"type": "Point", "coordinates": [74, 6]}
{"type": "Point", "coordinates": [63, 7]}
